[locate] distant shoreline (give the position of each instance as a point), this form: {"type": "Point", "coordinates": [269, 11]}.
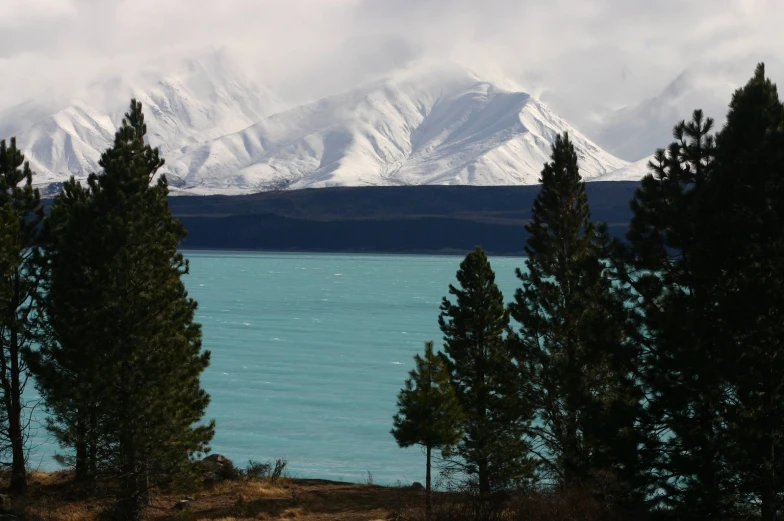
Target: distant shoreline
{"type": "Point", "coordinates": [412, 253]}
{"type": "Point", "coordinates": [413, 220]}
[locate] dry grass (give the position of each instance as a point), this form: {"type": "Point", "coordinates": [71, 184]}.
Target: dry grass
{"type": "Point", "coordinates": [53, 497]}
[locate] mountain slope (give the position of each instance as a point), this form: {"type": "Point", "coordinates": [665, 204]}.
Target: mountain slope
{"type": "Point", "coordinates": [631, 172]}
{"type": "Point", "coordinates": [637, 131]}
{"type": "Point", "coordinates": [394, 219]}
{"type": "Point", "coordinates": [421, 126]}
{"type": "Point", "coordinates": [220, 133]}
{"type": "Point", "coordinates": [200, 100]}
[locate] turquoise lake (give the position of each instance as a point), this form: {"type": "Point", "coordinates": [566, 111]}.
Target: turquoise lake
{"type": "Point", "coordinates": [309, 352]}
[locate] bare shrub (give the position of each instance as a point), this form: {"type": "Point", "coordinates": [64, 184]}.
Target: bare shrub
{"type": "Point", "coordinates": [277, 469]}
{"type": "Point", "coordinates": [257, 470]}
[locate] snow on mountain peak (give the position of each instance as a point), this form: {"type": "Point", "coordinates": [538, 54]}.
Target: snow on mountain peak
{"type": "Point", "coordinates": [636, 131]}
{"type": "Point", "coordinates": [200, 100]}
{"type": "Point", "coordinates": [222, 133]}
{"type": "Point", "coordinates": [420, 125]}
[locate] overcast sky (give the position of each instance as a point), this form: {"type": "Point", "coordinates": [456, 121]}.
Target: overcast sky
{"type": "Point", "coordinates": [609, 52]}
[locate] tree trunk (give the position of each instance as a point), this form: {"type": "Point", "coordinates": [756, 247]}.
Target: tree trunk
{"type": "Point", "coordinates": [92, 454]}
{"type": "Point", "coordinates": [484, 478]}
{"type": "Point", "coordinates": [571, 447]}
{"type": "Point", "coordinates": [710, 478]}
{"type": "Point", "coordinates": [768, 508]}
{"type": "Point", "coordinates": [768, 492]}
{"type": "Point", "coordinates": [428, 489]}
{"type": "Point", "coordinates": [134, 493]}
{"type": "Point", "coordinates": [130, 504]}
{"type": "Point", "coordinates": [82, 468]}
{"type": "Point", "coordinates": [484, 487]}
{"type": "Point", "coordinates": [18, 470]}
{"type": "Point", "coordinates": [483, 466]}
{"type": "Point", "coordinates": [569, 472]}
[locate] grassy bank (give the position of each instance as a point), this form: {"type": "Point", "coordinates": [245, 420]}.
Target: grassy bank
{"type": "Point", "coordinates": [55, 497]}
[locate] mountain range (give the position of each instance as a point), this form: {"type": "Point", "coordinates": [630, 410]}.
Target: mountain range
{"type": "Point", "coordinates": [426, 124]}
{"type": "Point", "coordinates": [634, 132]}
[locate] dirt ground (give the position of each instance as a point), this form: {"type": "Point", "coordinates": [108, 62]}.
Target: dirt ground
{"type": "Point", "coordinates": [52, 497]}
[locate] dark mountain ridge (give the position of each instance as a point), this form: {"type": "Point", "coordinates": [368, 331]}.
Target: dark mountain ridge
{"type": "Point", "coordinates": [399, 219]}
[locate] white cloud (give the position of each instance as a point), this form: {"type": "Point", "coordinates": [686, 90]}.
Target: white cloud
{"type": "Point", "coordinates": [576, 53]}
{"type": "Point", "coordinates": [33, 11]}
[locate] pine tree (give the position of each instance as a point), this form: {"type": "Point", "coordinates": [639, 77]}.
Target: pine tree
{"type": "Point", "coordinates": [428, 411]}
{"type": "Point", "coordinates": [140, 323]}
{"type": "Point", "coordinates": [666, 272]}
{"type": "Point", "coordinates": [582, 385]}
{"type": "Point", "coordinates": [20, 215]}
{"type": "Point", "coordinates": [68, 362]}
{"type": "Point", "coordinates": [745, 235]}
{"type": "Point", "coordinates": [487, 380]}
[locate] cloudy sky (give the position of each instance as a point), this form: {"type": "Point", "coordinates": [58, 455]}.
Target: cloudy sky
{"type": "Point", "coordinates": [573, 52]}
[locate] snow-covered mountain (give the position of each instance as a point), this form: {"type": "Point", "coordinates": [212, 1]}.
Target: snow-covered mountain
{"type": "Point", "coordinates": [222, 133]}
{"type": "Point", "coordinates": [202, 99]}
{"type": "Point", "coordinates": [429, 123]}
{"type": "Point", "coordinates": [636, 131]}
{"type": "Point", "coordinates": [631, 172]}
{"type": "Point", "coordinates": [421, 126]}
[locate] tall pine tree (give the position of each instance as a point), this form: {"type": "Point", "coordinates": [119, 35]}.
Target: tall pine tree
{"type": "Point", "coordinates": [666, 274]}
{"type": "Point", "coordinates": [745, 235]}
{"type": "Point", "coordinates": [428, 412]}
{"type": "Point", "coordinates": [20, 215]}
{"type": "Point", "coordinates": [704, 265]}
{"type": "Point", "coordinates": [587, 402]}
{"type": "Point", "coordinates": [69, 360]}
{"type": "Point", "coordinates": [487, 379]}
{"type": "Point", "coordinates": [141, 323]}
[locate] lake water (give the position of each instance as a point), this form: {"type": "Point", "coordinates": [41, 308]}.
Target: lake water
{"type": "Point", "coordinates": [309, 352]}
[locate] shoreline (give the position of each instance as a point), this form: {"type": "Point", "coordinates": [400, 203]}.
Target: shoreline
{"type": "Point", "coordinates": [404, 253]}
{"type": "Point", "coordinates": [54, 496]}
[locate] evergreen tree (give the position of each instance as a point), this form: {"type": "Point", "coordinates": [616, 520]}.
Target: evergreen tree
{"type": "Point", "coordinates": [428, 411]}
{"type": "Point", "coordinates": [69, 360]}
{"type": "Point", "coordinates": [20, 214]}
{"type": "Point", "coordinates": [745, 236]}
{"type": "Point", "coordinates": [665, 273]}
{"type": "Point", "coordinates": [139, 321]}
{"type": "Point", "coordinates": [582, 377]}
{"type": "Point", "coordinates": [486, 378]}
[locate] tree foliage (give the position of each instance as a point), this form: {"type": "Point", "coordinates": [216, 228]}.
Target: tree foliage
{"type": "Point", "coordinates": [136, 333]}
{"type": "Point", "coordinates": [20, 215]}
{"type": "Point", "coordinates": [744, 206]}
{"type": "Point", "coordinates": [428, 411]}
{"type": "Point", "coordinates": [668, 267]}
{"type": "Point", "coordinates": [571, 338]}
{"type": "Point", "coordinates": [69, 361]}
{"type": "Point", "coordinates": [486, 377]}
{"type": "Point", "coordinates": [702, 274]}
